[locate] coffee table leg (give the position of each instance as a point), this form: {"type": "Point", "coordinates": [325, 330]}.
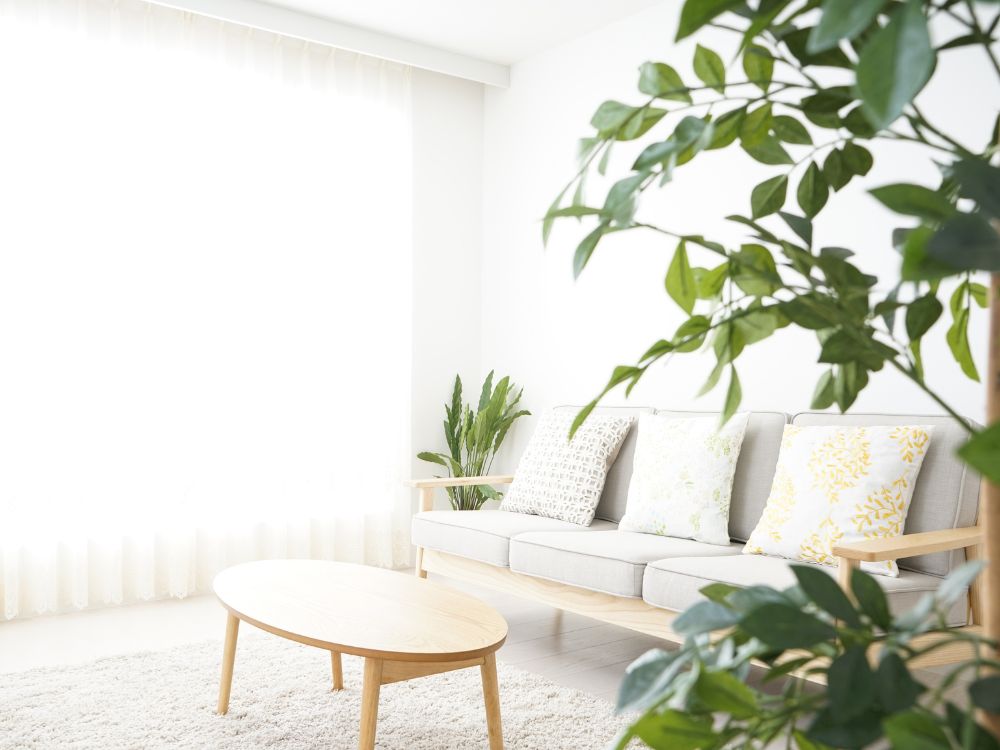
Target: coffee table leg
{"type": "Point", "coordinates": [369, 703]}
{"type": "Point", "coordinates": [338, 670]}
{"type": "Point", "coordinates": [228, 659]}
{"type": "Point", "coordinates": [491, 696]}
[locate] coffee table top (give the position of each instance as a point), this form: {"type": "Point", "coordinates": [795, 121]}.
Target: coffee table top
{"type": "Point", "coordinates": [360, 610]}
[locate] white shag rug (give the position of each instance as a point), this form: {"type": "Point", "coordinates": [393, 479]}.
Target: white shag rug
{"type": "Point", "coordinates": [281, 698]}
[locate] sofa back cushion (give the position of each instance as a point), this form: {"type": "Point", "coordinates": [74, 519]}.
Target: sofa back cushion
{"type": "Point", "coordinates": [946, 495]}
{"type": "Point", "coordinates": [755, 471]}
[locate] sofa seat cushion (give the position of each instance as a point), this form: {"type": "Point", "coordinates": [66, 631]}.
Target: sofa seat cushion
{"type": "Point", "coordinates": [674, 584]}
{"type": "Point", "coordinates": [484, 535]}
{"type": "Point", "coordinates": [608, 561]}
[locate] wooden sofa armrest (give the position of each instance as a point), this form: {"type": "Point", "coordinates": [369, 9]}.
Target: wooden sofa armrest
{"type": "Point", "coordinates": [459, 481]}
{"type": "Point", "coordinates": [427, 486]}
{"type": "Point", "coordinates": [908, 545]}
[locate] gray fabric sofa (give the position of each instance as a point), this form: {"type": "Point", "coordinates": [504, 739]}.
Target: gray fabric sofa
{"type": "Point", "coordinates": [640, 574]}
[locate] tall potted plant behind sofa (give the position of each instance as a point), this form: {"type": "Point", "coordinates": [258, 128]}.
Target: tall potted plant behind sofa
{"type": "Point", "coordinates": [474, 437]}
{"type": "Point", "coordinates": [853, 70]}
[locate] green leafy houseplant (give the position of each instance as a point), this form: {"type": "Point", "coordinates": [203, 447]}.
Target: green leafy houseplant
{"type": "Point", "coordinates": [474, 437]}
{"type": "Point", "coordinates": [698, 697]}
{"type": "Point", "coordinates": [817, 83]}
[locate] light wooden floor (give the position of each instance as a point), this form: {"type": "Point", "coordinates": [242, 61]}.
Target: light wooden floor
{"type": "Point", "coordinates": [566, 648]}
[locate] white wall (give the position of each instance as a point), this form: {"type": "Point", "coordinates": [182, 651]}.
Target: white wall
{"type": "Point", "coordinates": [560, 339]}
{"type": "Point", "coordinates": [447, 231]}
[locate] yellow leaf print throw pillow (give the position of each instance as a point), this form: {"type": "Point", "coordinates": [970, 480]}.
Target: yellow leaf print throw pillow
{"type": "Point", "coordinates": [835, 485]}
{"type": "Point", "coordinates": [682, 476]}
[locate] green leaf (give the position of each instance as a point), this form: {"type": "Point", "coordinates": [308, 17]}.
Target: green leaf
{"type": "Point", "coordinates": [852, 378]}
{"type": "Point", "coordinates": [758, 64]}
{"type": "Point", "coordinates": [857, 122]}
{"type": "Point", "coordinates": [835, 172]}
{"type": "Point", "coordinates": [727, 128]}
{"type": "Point", "coordinates": [641, 676]}
{"type": "Point", "coordinates": [895, 64]}
{"type": "Point", "coordinates": [800, 225]}
{"type": "Point", "coordinates": [709, 283]}
{"type": "Point", "coordinates": [758, 325]}
{"type": "Point", "coordinates": [980, 294]}
{"type": "Point", "coordinates": [842, 19]}
{"type": "Point", "coordinates": [857, 159]}
{"type": "Point", "coordinates": [675, 730]}
{"type": "Point", "coordinates": [897, 690]}
{"type": "Point", "coordinates": [577, 212]}
{"type": "Point", "coordinates": [656, 153]}
{"type": "Point", "coordinates": [985, 693]}
{"type": "Point", "coordinates": [611, 115]}
{"type": "Point", "coordinates": [433, 458]}
{"type": "Point", "coordinates": [769, 196]}
{"type": "Point", "coordinates": [826, 594]}
{"type": "Point", "coordinates": [850, 683]}
{"type": "Point", "coordinates": [721, 691]}
{"type": "Point", "coordinates": [917, 263]}
{"type": "Point", "coordinates": [979, 181]}
{"type": "Point", "coordinates": [982, 452]}
{"type": "Point", "coordinates": [958, 341]}
{"type": "Point", "coordinates": [662, 81]}
{"type": "Point", "coordinates": [810, 311]}
{"type": "Point", "coordinates": [713, 378]}
{"type": "Point", "coordinates": [680, 282]}
{"type": "Point", "coordinates": [914, 200]}
{"type": "Point", "coordinates": [956, 584]}
{"type": "Point", "coordinates": [797, 42]}
{"type": "Point", "coordinates": [602, 165]}
{"type": "Point", "coordinates": [824, 395]}
{"type": "Point", "coordinates": [966, 242]}
{"type": "Point", "coordinates": [690, 334]}
{"type": "Point", "coordinates": [734, 396]}
{"type": "Point", "coordinates": [697, 13]}
{"type": "Point", "coordinates": [870, 598]}
{"type": "Point", "coordinates": [783, 626]}
{"type": "Point", "coordinates": [709, 68]}
{"type": "Point", "coordinates": [645, 118]}
{"type": "Point", "coordinates": [704, 617]}
{"type": "Point", "coordinates": [756, 125]}
{"type": "Point", "coordinates": [962, 720]}
{"type": "Point", "coordinates": [754, 270]}
{"type": "Point", "coordinates": [841, 348]}
{"type": "Point", "coordinates": [921, 314]}
{"type": "Point", "coordinates": [813, 191]}
{"type": "Point", "coordinates": [619, 206]}
{"type": "Point", "coordinates": [828, 101]}
{"type": "Point", "coordinates": [586, 248]}
{"type": "Point", "coordinates": [915, 731]}
{"type": "Point", "coordinates": [861, 731]}
{"type": "Point", "coordinates": [550, 217]}
{"type": "Point", "coordinates": [717, 592]}
{"type": "Point", "coordinates": [790, 130]}
{"type": "Point", "coordinates": [768, 150]}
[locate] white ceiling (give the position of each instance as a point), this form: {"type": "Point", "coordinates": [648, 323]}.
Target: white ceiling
{"type": "Point", "coordinates": [497, 31]}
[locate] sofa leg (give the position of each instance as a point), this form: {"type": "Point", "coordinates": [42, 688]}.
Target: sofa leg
{"type": "Point", "coordinates": [420, 572]}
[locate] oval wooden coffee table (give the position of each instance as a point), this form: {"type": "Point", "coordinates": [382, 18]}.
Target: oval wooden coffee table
{"type": "Point", "coordinates": [403, 626]}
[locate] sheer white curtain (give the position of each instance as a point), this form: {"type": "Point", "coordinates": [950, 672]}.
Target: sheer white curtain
{"type": "Point", "coordinates": [204, 302]}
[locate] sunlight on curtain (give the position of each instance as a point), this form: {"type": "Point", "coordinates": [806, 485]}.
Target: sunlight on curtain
{"type": "Point", "coordinates": [204, 302]}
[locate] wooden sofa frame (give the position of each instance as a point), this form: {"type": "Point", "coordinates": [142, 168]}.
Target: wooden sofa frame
{"type": "Point", "coordinates": [636, 614]}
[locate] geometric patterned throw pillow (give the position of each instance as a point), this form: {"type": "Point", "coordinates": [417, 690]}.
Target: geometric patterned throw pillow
{"type": "Point", "coordinates": [839, 484]}
{"type": "Point", "coordinates": [562, 478]}
{"type": "Point", "coordinates": [682, 477]}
